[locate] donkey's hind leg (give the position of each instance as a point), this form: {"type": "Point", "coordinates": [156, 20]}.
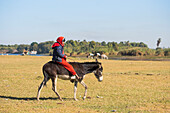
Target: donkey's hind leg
{"type": "Point", "coordinates": [54, 82]}
{"type": "Point", "coordinates": [40, 88]}
{"type": "Point", "coordinates": [46, 78]}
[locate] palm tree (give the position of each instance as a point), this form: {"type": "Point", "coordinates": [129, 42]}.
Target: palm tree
{"type": "Point", "coordinates": [158, 42]}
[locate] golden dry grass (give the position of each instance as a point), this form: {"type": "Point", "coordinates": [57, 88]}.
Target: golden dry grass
{"type": "Point", "coordinates": [128, 86]}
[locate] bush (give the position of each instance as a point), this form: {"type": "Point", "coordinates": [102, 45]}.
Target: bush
{"type": "Point", "coordinates": [167, 52]}
{"type": "Point", "coordinates": [113, 53]}
{"type": "Point", "coordinates": [72, 54]}
{"type": "Point", "coordinates": [133, 52]}
{"type": "Point", "coordinates": [159, 52]}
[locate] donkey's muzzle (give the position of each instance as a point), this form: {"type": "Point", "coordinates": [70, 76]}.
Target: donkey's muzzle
{"type": "Point", "coordinates": [100, 79]}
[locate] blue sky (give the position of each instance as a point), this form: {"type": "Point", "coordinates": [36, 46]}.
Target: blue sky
{"type": "Point", "coordinates": [26, 21]}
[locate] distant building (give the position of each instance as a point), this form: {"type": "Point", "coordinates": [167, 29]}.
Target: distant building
{"type": "Point", "coordinates": [33, 52]}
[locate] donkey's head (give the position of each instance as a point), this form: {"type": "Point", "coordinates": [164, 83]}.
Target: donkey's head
{"type": "Point", "coordinates": [98, 71]}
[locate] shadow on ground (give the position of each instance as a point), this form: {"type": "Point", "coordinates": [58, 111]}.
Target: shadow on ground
{"type": "Point", "coordinates": [32, 98]}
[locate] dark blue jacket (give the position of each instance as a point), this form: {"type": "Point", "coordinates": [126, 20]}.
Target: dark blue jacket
{"type": "Point", "coordinates": [58, 52]}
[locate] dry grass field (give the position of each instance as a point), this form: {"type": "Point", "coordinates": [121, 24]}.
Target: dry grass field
{"type": "Point", "coordinates": [128, 86]}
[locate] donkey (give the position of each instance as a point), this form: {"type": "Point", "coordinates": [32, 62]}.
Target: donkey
{"type": "Point", "coordinates": [53, 70]}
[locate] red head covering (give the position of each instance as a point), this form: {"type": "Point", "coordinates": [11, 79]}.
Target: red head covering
{"type": "Point", "coordinates": [60, 40]}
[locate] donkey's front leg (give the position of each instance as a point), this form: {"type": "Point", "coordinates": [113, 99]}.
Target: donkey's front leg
{"type": "Point", "coordinates": [54, 82]}
{"type": "Point", "coordinates": [75, 90]}
{"type": "Point", "coordinates": [85, 86]}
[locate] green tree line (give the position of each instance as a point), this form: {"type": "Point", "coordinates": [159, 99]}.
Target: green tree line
{"type": "Point", "coordinates": [77, 46]}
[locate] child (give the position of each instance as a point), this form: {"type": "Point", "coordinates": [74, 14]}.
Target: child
{"type": "Point", "coordinates": [60, 57]}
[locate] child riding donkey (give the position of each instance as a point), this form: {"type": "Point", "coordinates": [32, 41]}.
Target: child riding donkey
{"type": "Point", "coordinates": [60, 58]}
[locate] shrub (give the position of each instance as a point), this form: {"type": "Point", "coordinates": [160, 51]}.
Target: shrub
{"type": "Point", "coordinates": [159, 52]}
{"type": "Point", "coordinates": [167, 52]}
{"type": "Point", "coordinates": [132, 52]}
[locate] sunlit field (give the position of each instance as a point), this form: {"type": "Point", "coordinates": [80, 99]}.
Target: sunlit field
{"type": "Point", "coordinates": [128, 86]}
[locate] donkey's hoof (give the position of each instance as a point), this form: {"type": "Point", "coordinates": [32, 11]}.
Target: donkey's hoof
{"type": "Point", "coordinates": [84, 97]}
{"type": "Point", "coordinates": [76, 99]}
{"type": "Point", "coordinates": [61, 99]}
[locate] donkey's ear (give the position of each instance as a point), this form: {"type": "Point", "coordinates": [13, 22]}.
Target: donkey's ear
{"type": "Point", "coordinates": [96, 60]}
